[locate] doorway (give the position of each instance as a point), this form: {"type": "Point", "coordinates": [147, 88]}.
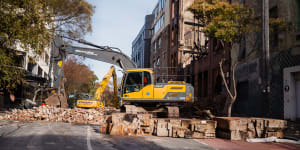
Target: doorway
{"type": "Point", "coordinates": [291, 89]}
{"type": "Point", "coordinates": [297, 91]}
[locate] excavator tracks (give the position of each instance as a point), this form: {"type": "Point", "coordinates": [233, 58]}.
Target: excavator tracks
{"type": "Point", "coordinates": [159, 112]}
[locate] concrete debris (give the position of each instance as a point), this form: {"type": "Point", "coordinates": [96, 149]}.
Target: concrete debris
{"type": "Point", "coordinates": [239, 128]}
{"type": "Point", "coordinates": [112, 122]}
{"type": "Point", "coordinates": [53, 114]}
{"type": "Point", "coordinates": [273, 139]}
{"type": "Point", "coordinates": [128, 124]}
{"type": "Point", "coordinates": [56, 100]}
{"type": "Point", "coordinates": [144, 124]}
{"type": "Point", "coordinates": [115, 123]}
{"type": "Point", "coordinates": [185, 128]}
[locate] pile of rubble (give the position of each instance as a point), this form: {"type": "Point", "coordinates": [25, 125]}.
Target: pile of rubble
{"type": "Point", "coordinates": [53, 114]}
{"type": "Point", "coordinates": [144, 124]}
{"type": "Point", "coordinates": [239, 128]}
{"type": "Point", "coordinates": [133, 123]}
{"type": "Point", "coordinates": [185, 128]}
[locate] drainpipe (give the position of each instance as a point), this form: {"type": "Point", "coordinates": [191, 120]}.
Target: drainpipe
{"type": "Point", "coordinates": [266, 55]}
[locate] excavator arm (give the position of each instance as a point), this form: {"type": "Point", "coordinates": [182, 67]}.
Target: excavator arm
{"type": "Point", "coordinates": [104, 82]}
{"type": "Point", "coordinates": [106, 54]}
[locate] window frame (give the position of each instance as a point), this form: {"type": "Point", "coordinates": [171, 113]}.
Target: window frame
{"type": "Point", "coordinates": [125, 82]}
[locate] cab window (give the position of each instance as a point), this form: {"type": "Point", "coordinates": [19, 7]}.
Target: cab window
{"type": "Point", "coordinates": [147, 78]}
{"type": "Point", "coordinates": [133, 82]}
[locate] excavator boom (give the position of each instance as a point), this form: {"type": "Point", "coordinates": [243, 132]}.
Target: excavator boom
{"type": "Point", "coordinates": [104, 82]}
{"type": "Point", "coordinates": [106, 54]}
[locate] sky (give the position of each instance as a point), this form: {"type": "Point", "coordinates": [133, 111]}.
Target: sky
{"type": "Point", "coordinates": [116, 23]}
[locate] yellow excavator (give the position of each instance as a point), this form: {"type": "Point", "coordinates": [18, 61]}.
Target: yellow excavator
{"type": "Point", "coordinates": [97, 100]}
{"type": "Point", "coordinates": [139, 92]}
{"type": "Point", "coordinates": [87, 101]}
{"type": "Point", "coordinates": [99, 91]}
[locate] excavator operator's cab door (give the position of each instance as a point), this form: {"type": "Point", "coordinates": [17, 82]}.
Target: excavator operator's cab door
{"type": "Point", "coordinates": [148, 85]}
{"type": "Point", "coordinates": [134, 85]}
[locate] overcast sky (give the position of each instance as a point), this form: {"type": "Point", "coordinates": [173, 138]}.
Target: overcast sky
{"type": "Point", "coordinates": [116, 23]}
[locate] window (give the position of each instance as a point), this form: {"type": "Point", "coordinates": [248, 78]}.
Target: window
{"type": "Point", "coordinates": [133, 82]}
{"type": "Point", "coordinates": [242, 49]}
{"type": "Point", "coordinates": [162, 20]}
{"type": "Point", "coordinates": [139, 55]}
{"type": "Point", "coordinates": [147, 78]}
{"type": "Point", "coordinates": [298, 14]}
{"type": "Point", "coordinates": [155, 12]}
{"type": "Point", "coordinates": [40, 71]}
{"type": "Point", "coordinates": [274, 35]}
{"type": "Point", "coordinates": [298, 20]}
{"type": "Point", "coordinates": [161, 4]}
{"type": "Point", "coordinates": [159, 42]}
{"type": "Point", "coordinates": [159, 23]}
{"type": "Point", "coordinates": [30, 67]}
{"type": "Point", "coordinates": [154, 47]}
{"type": "Point", "coordinates": [149, 33]}
{"type": "Point", "coordinates": [158, 62]}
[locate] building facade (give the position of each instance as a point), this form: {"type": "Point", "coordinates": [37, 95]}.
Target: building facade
{"type": "Point", "coordinates": [282, 99]}
{"type": "Point", "coordinates": [141, 46]}
{"type": "Point", "coordinates": [180, 51]}
{"type": "Point", "coordinates": [160, 40]}
{"type": "Point", "coordinates": [195, 58]}
{"type": "Point", "coordinates": [38, 74]}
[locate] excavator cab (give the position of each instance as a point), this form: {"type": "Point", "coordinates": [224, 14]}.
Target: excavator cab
{"type": "Point", "coordinates": [138, 86]}
{"type": "Point", "coordinates": [135, 81]}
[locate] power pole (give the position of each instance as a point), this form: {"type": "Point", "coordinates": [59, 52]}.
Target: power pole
{"type": "Point", "coordinates": [266, 54]}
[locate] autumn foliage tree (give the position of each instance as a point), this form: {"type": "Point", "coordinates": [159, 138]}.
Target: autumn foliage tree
{"type": "Point", "coordinates": [32, 25]}
{"type": "Point", "coordinates": [79, 77]}
{"type": "Point", "coordinates": [229, 23]}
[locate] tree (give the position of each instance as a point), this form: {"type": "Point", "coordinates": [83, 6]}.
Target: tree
{"type": "Point", "coordinates": [79, 77]}
{"type": "Point", "coordinates": [229, 23]}
{"type": "Point", "coordinates": [32, 25]}
{"type": "Point", "coordinates": [20, 22]}
{"type": "Point", "coordinates": [71, 17]}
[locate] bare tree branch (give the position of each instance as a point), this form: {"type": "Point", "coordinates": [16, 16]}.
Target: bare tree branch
{"type": "Point", "coordinates": [224, 80]}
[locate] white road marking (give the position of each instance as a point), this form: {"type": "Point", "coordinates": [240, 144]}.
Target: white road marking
{"type": "Point", "coordinates": [88, 139]}
{"type": "Point", "coordinates": [51, 129]}
{"type": "Point", "coordinates": [200, 142]}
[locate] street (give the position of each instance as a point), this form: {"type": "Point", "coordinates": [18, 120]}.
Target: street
{"type": "Point", "coordinates": [154, 74]}
{"type": "Point", "coordinates": [54, 136]}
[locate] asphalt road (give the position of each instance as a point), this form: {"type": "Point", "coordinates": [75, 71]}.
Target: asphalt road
{"type": "Point", "coordinates": [55, 136]}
